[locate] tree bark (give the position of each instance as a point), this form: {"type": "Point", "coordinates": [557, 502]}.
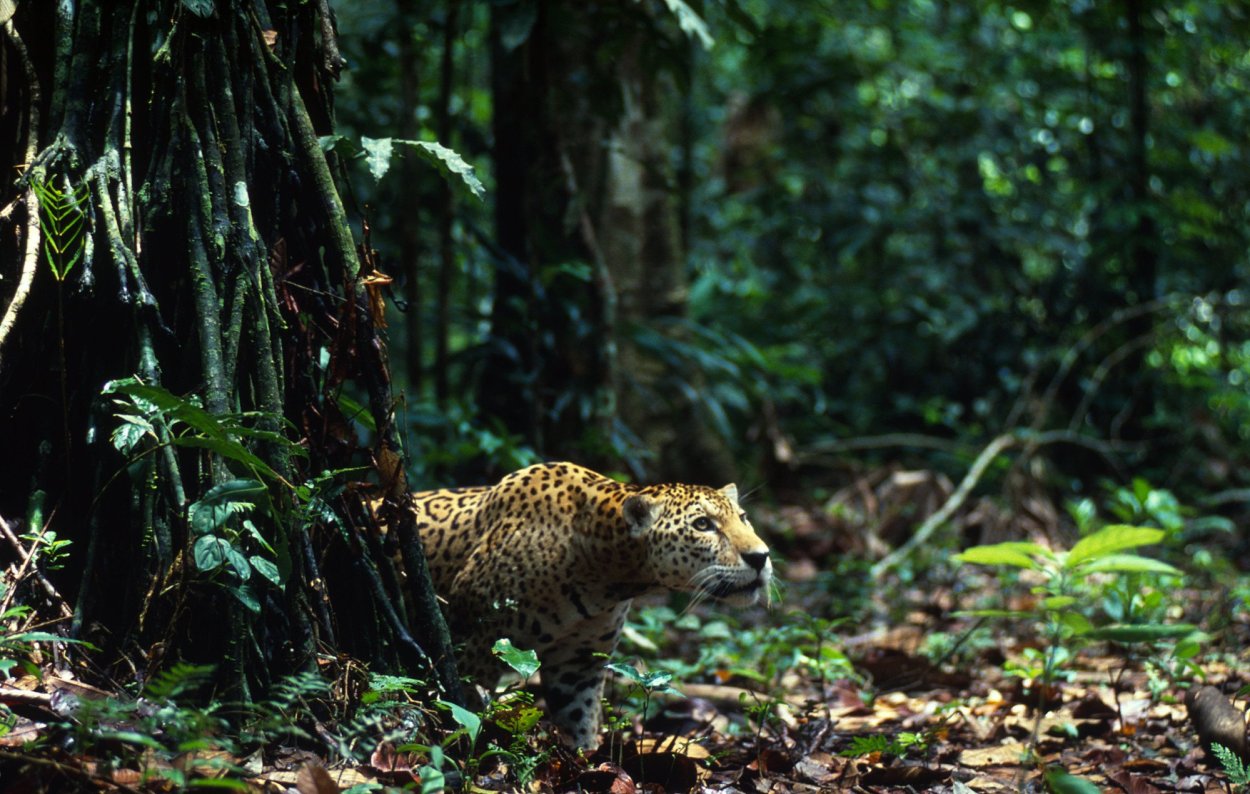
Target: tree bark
{"type": "Point", "coordinates": [214, 261]}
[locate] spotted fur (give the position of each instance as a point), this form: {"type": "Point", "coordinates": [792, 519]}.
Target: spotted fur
{"type": "Point", "coordinates": [551, 556]}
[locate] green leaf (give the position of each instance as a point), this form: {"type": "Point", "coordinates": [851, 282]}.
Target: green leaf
{"type": "Point", "coordinates": [266, 569]}
{"type": "Point", "coordinates": [1110, 540]}
{"type": "Point", "coordinates": [41, 636]}
{"type": "Point", "coordinates": [1015, 554]}
{"type": "Point", "coordinates": [1060, 782]}
{"type": "Point", "coordinates": [1142, 632]}
{"type": "Point", "coordinates": [212, 511]}
{"type": "Point", "coordinates": [449, 163]}
{"type": "Point", "coordinates": [356, 412]}
{"type": "Point", "coordinates": [247, 597]}
{"type": "Point", "coordinates": [1129, 563]}
{"type": "Point", "coordinates": [1077, 623]}
{"type": "Point", "coordinates": [377, 155]}
{"type": "Point", "coordinates": [466, 719]}
{"type": "Point", "coordinates": [1056, 603]}
{"type": "Point", "coordinates": [240, 564]}
{"type": "Point", "coordinates": [525, 663]}
{"type": "Point", "coordinates": [626, 670]}
{"type": "Point", "coordinates": [209, 552]}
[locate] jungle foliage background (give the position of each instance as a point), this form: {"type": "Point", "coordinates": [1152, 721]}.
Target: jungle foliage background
{"type": "Point", "coordinates": [847, 254]}
{"type": "Point", "coordinates": [832, 229]}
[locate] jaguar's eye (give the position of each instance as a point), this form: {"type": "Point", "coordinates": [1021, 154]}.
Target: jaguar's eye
{"type": "Point", "coordinates": [704, 524]}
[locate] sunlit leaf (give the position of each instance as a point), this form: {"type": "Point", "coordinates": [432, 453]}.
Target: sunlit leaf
{"type": "Point", "coordinates": [1109, 540]}
{"type": "Point", "coordinates": [1129, 563]}
{"type": "Point", "coordinates": [1015, 554]}
{"type": "Point", "coordinates": [525, 663]}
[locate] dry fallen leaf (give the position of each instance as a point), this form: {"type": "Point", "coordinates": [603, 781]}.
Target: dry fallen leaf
{"type": "Point", "coordinates": [1000, 755]}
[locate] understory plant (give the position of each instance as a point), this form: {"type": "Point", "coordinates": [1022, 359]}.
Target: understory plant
{"type": "Point", "coordinates": [1097, 590]}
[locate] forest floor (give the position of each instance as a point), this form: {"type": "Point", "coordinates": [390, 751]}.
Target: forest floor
{"type": "Point", "coordinates": [844, 684]}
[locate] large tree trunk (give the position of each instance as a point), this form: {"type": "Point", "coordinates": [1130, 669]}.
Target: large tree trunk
{"type": "Point", "coordinates": [213, 263]}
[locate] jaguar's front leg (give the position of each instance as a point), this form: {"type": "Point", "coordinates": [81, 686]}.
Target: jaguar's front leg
{"type": "Point", "coordinates": [573, 675]}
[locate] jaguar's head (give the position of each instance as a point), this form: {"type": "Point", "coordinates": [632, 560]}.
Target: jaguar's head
{"type": "Point", "coordinates": [698, 540]}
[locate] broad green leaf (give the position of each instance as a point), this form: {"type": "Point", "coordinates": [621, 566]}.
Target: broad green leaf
{"type": "Point", "coordinates": [432, 780]}
{"type": "Point", "coordinates": [1129, 563]}
{"type": "Point", "coordinates": [449, 163]}
{"type": "Point", "coordinates": [1060, 782]}
{"type": "Point", "coordinates": [525, 663]}
{"type": "Point", "coordinates": [220, 502]}
{"type": "Point", "coordinates": [1018, 555]}
{"type": "Point", "coordinates": [1109, 540]}
{"type": "Point", "coordinates": [466, 719]}
{"type": "Point", "coordinates": [242, 568]}
{"type": "Point", "coordinates": [1144, 632]}
{"type": "Point", "coordinates": [266, 569]}
{"type": "Point", "coordinates": [247, 597]}
{"type": "Point", "coordinates": [1077, 623]}
{"type": "Point", "coordinates": [377, 155]}
{"type": "Point", "coordinates": [209, 552]}
{"type": "Point", "coordinates": [131, 737]}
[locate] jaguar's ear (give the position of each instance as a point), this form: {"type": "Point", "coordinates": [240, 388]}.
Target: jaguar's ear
{"type": "Point", "coordinates": [641, 512]}
{"type": "Point", "coordinates": [731, 492]}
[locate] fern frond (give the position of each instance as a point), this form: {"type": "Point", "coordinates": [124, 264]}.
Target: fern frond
{"type": "Point", "coordinates": [1234, 767]}
{"type": "Point", "coordinates": [63, 219]}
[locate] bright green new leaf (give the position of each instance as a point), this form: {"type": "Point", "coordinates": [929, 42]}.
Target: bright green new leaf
{"type": "Point", "coordinates": [1057, 603]}
{"type": "Point", "coordinates": [1015, 554]}
{"type": "Point", "coordinates": [1129, 563]}
{"type": "Point", "coordinates": [1109, 540]}
{"type": "Point", "coordinates": [525, 663]}
{"type": "Point", "coordinates": [1144, 632]}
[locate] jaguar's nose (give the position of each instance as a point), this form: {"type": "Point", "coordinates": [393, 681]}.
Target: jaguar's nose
{"type": "Point", "coordinates": [756, 559]}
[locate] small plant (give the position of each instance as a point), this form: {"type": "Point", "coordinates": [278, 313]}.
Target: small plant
{"type": "Point", "coordinates": [1074, 579]}
{"type": "Point", "coordinates": [647, 684]}
{"type": "Point", "coordinates": [878, 744]}
{"type": "Point", "coordinates": [1234, 768]}
{"type": "Point", "coordinates": [513, 712]}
